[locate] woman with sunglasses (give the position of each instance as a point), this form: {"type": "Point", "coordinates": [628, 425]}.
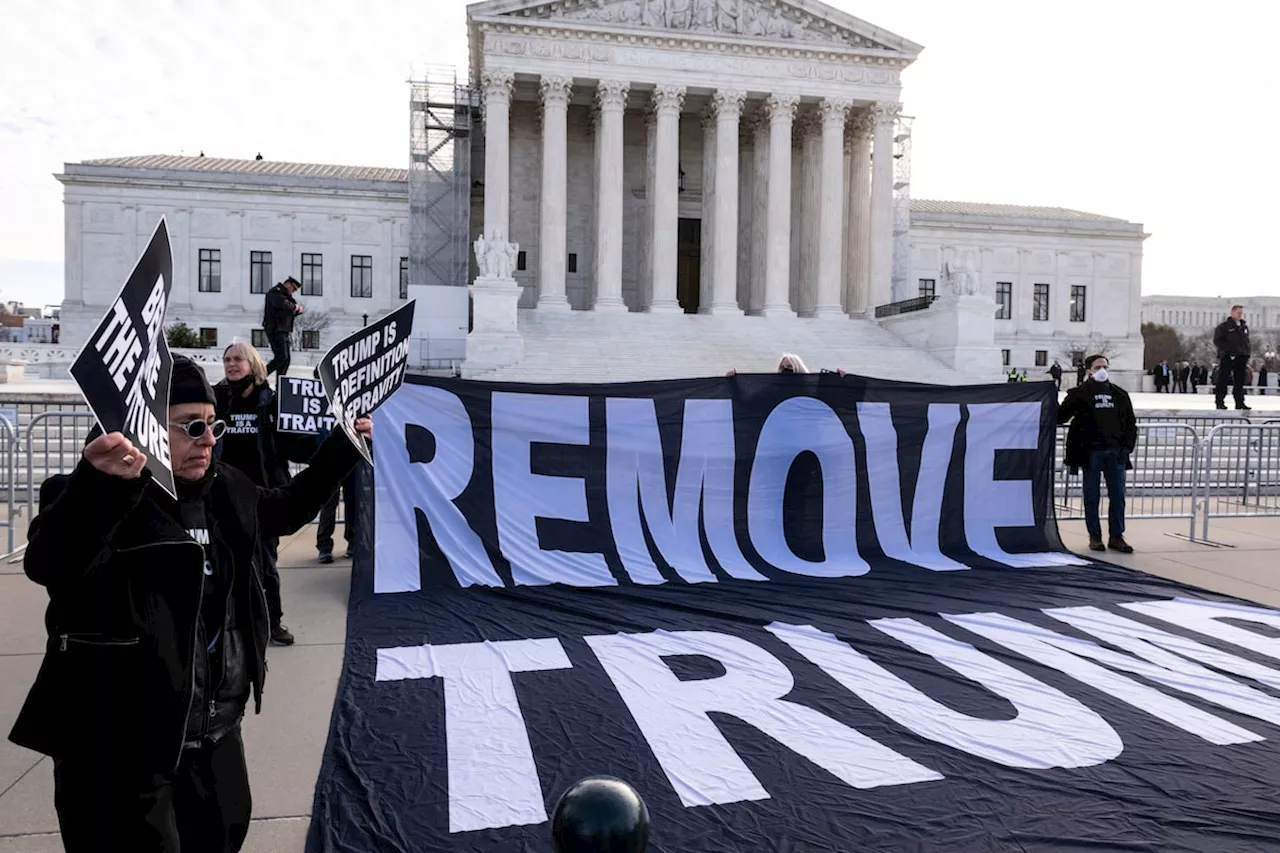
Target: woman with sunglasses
{"type": "Point", "coordinates": [158, 630]}
{"type": "Point", "coordinates": [248, 406]}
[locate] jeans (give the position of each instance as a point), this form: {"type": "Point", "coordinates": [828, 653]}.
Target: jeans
{"type": "Point", "coordinates": [202, 807]}
{"type": "Point", "coordinates": [280, 354]}
{"type": "Point", "coordinates": [1111, 465]}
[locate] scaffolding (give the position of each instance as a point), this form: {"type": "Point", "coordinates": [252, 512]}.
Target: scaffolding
{"type": "Point", "coordinates": [440, 111]}
{"type": "Point", "coordinates": [902, 277]}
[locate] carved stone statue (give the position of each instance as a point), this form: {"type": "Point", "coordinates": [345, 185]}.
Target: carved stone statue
{"type": "Point", "coordinates": [495, 257]}
{"type": "Point", "coordinates": [962, 278]}
{"type": "Point", "coordinates": [482, 259]}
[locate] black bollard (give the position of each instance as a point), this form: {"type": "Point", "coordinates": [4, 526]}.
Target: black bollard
{"type": "Point", "coordinates": [600, 814]}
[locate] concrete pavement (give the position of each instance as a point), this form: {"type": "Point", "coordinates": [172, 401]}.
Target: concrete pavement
{"type": "Point", "coordinates": [285, 743]}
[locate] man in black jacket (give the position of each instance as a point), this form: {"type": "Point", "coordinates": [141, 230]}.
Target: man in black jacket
{"type": "Point", "coordinates": [1232, 340]}
{"type": "Point", "coordinates": [157, 632]}
{"type": "Point", "coordinates": [278, 312]}
{"type": "Point", "coordinates": [1101, 437]}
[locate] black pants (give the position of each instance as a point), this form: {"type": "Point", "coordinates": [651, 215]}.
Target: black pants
{"type": "Point", "coordinates": [329, 515]}
{"type": "Point", "coordinates": [271, 579]}
{"type": "Point", "coordinates": [1231, 369]}
{"type": "Point", "coordinates": [280, 353]}
{"type": "Point", "coordinates": [203, 807]}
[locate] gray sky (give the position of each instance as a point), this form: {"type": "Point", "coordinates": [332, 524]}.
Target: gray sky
{"type": "Point", "coordinates": [1133, 108]}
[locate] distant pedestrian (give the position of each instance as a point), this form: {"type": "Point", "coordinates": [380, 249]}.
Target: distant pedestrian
{"type": "Point", "coordinates": [1100, 441]}
{"type": "Point", "coordinates": [1080, 372]}
{"type": "Point", "coordinates": [1184, 377]}
{"type": "Point", "coordinates": [1013, 375]}
{"type": "Point", "coordinates": [279, 310]}
{"type": "Point", "coordinates": [1262, 379]}
{"type": "Point", "coordinates": [1232, 340]}
{"type": "Point", "coordinates": [1056, 373]}
{"type": "Point", "coordinates": [1162, 375]}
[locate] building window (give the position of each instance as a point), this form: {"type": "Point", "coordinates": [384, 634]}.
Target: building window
{"type": "Point", "coordinates": [258, 338]}
{"type": "Point", "coordinates": [1004, 357]}
{"type": "Point", "coordinates": [208, 337]}
{"type": "Point", "coordinates": [259, 272]}
{"type": "Point", "coordinates": [210, 271]}
{"type": "Point", "coordinates": [1042, 358]}
{"type": "Point", "coordinates": [404, 278]}
{"type": "Point", "coordinates": [1004, 299]}
{"type": "Point", "coordinates": [573, 262]}
{"type": "Point", "coordinates": [311, 339]}
{"type": "Point", "coordinates": [928, 287]}
{"type": "Point", "coordinates": [312, 274]}
{"type": "Point", "coordinates": [1077, 357]}
{"type": "Point", "coordinates": [362, 276]}
{"type": "Point", "coordinates": [1078, 300]}
{"type": "Point", "coordinates": [521, 261]}
{"type": "Point", "coordinates": [1040, 307]}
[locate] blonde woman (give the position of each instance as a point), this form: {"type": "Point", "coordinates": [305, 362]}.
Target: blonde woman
{"type": "Point", "coordinates": [789, 362]}
{"type": "Point", "coordinates": [248, 405]}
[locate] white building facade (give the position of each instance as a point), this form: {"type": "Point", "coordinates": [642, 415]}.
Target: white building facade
{"type": "Point", "coordinates": [1194, 315]}
{"type": "Point", "coordinates": [643, 159]}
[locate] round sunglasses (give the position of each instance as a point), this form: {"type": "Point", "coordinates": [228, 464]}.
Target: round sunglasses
{"type": "Point", "coordinates": [196, 429]}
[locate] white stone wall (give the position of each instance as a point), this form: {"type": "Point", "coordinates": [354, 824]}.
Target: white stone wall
{"type": "Point", "coordinates": [1109, 265]}
{"type": "Point", "coordinates": [114, 220]}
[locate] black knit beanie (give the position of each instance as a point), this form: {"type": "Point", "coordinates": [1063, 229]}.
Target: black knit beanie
{"type": "Point", "coordinates": [188, 383]}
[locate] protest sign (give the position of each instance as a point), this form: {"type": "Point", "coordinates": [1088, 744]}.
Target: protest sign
{"type": "Point", "coordinates": [123, 369]}
{"type": "Point", "coordinates": [366, 368]}
{"type": "Point", "coordinates": [797, 613]}
{"type": "Point", "coordinates": [303, 406]}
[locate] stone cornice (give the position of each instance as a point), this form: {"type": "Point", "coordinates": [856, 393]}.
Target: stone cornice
{"type": "Point", "coordinates": [735, 45]}
{"type": "Point", "coordinates": [978, 225]}
{"type": "Point", "coordinates": [186, 181]}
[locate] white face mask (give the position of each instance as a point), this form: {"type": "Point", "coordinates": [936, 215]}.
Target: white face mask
{"type": "Point", "coordinates": [1100, 375]}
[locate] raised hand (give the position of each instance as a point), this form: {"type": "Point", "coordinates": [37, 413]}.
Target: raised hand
{"type": "Point", "coordinates": [115, 455]}
{"type": "Point", "coordinates": [364, 426]}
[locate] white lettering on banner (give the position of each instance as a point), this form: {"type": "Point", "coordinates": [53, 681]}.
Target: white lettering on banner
{"type": "Point", "coordinates": [795, 426]}
{"type": "Point", "coordinates": [1156, 646]}
{"type": "Point", "coordinates": [493, 781]}
{"type": "Point", "coordinates": [119, 344]}
{"type": "Point", "coordinates": [430, 484]}
{"type": "Point", "coordinates": [990, 503]}
{"type": "Point", "coordinates": [636, 476]}
{"type": "Point", "coordinates": [1050, 729]}
{"type": "Point", "coordinates": [521, 497]}
{"type": "Point", "coordinates": [700, 764]}
{"type": "Point", "coordinates": [1076, 657]}
{"type": "Point", "coordinates": [921, 548]}
{"type": "Point", "coordinates": [1205, 617]}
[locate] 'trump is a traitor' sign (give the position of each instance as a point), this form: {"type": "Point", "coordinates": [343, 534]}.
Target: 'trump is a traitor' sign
{"type": "Point", "coordinates": [366, 368]}
{"type": "Point", "coordinates": [798, 613]}
{"type": "Point", "coordinates": [303, 406]}
{"type": "Point", "coordinates": [123, 370]}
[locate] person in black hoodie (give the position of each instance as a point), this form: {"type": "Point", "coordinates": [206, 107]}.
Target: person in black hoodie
{"type": "Point", "coordinates": [279, 309]}
{"type": "Point", "coordinates": [1100, 440]}
{"type": "Point", "coordinates": [1232, 341]}
{"type": "Point", "coordinates": [157, 632]}
{"type": "Point", "coordinates": [248, 406]}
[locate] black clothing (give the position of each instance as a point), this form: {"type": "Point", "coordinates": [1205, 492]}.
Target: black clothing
{"type": "Point", "coordinates": [279, 309]}
{"type": "Point", "coordinates": [1232, 338]}
{"type": "Point", "coordinates": [1232, 370]}
{"type": "Point", "coordinates": [187, 383]}
{"type": "Point", "coordinates": [125, 582]}
{"type": "Point", "coordinates": [202, 807]}
{"type": "Point", "coordinates": [329, 515]}
{"type": "Point", "coordinates": [250, 443]}
{"type": "Point", "coordinates": [1162, 374]}
{"type": "Point", "coordinates": [1101, 417]}
{"type": "Point", "coordinates": [281, 354]}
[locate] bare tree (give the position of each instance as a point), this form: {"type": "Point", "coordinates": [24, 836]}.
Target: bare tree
{"type": "Point", "coordinates": [308, 321]}
{"type": "Point", "coordinates": [1077, 348]}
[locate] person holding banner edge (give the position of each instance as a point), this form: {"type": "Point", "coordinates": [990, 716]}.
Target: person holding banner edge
{"type": "Point", "coordinates": [246, 403]}
{"type": "Point", "coordinates": [158, 629]}
{"type": "Point", "coordinates": [279, 309]}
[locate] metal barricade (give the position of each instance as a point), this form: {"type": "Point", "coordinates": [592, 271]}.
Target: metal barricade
{"type": "Point", "coordinates": [55, 442]}
{"type": "Point", "coordinates": [1241, 473]}
{"type": "Point", "coordinates": [1162, 483]}
{"type": "Point", "coordinates": [9, 476]}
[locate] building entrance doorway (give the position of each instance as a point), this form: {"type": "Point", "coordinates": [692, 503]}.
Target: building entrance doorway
{"type": "Point", "coordinates": [688, 268]}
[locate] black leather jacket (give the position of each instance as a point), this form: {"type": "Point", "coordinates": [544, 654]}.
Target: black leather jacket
{"type": "Point", "coordinates": [125, 668]}
{"type": "Point", "coordinates": [279, 309]}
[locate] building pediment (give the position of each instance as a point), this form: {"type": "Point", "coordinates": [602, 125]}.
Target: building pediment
{"type": "Point", "coordinates": [790, 22]}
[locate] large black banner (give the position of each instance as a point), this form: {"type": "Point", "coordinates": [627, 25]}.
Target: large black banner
{"type": "Point", "coordinates": [798, 613]}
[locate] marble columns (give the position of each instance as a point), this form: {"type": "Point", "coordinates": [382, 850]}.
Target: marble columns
{"type": "Point", "coordinates": [831, 210]}
{"type": "Point", "coordinates": [611, 98]}
{"type": "Point", "coordinates": [497, 86]}
{"type": "Point", "coordinates": [809, 133]}
{"type": "Point", "coordinates": [857, 263]}
{"type": "Point", "coordinates": [552, 248]}
{"type": "Point", "coordinates": [880, 285]}
{"type": "Point", "coordinates": [667, 103]}
{"type": "Point", "coordinates": [706, 265]}
{"type": "Point", "coordinates": [781, 110]}
{"type": "Point", "coordinates": [728, 108]}
{"type": "Point", "coordinates": [759, 212]}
